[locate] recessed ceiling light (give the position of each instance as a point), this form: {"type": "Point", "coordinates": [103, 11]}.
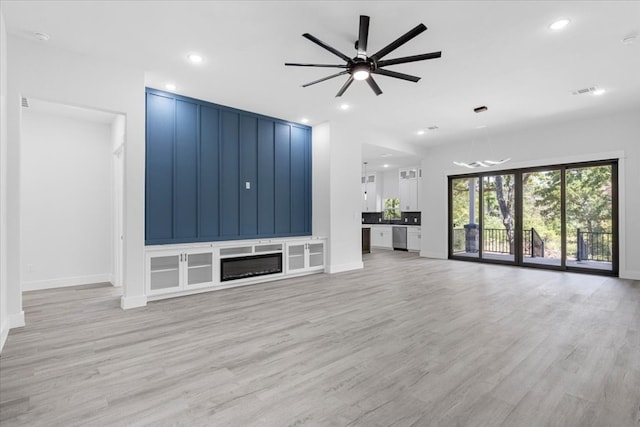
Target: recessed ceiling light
{"type": "Point", "coordinates": [559, 24]}
{"type": "Point", "coordinates": [170, 86]}
{"type": "Point", "coordinates": [304, 120]}
{"type": "Point", "coordinates": [43, 37]}
{"type": "Point", "coordinates": [385, 166]}
{"type": "Point", "coordinates": [195, 58]}
{"type": "Point", "coordinates": [420, 132]}
{"type": "Point", "coordinates": [344, 106]}
{"type": "Point", "coordinates": [598, 92]}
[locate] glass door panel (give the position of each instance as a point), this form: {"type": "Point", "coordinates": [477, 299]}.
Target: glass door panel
{"type": "Point", "coordinates": [465, 208]}
{"type": "Point", "coordinates": [589, 217]}
{"type": "Point", "coordinates": [542, 217]}
{"type": "Point", "coordinates": [498, 217]}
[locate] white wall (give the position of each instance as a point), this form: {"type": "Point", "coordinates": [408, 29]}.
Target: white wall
{"type": "Point", "coordinates": [390, 184]}
{"type": "Point", "coordinates": [565, 142]}
{"type": "Point", "coordinates": [118, 138]}
{"type": "Point", "coordinates": [337, 205]}
{"type": "Point", "coordinates": [65, 201]}
{"type": "Point", "coordinates": [40, 71]}
{"type": "Point", "coordinates": [4, 314]}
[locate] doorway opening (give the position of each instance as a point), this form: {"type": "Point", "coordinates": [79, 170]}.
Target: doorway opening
{"type": "Point", "coordinates": [71, 195]}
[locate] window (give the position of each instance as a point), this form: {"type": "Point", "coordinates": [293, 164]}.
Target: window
{"type": "Point", "coordinates": [391, 209]}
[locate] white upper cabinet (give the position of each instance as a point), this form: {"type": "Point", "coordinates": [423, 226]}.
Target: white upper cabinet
{"type": "Point", "coordinates": [408, 188]}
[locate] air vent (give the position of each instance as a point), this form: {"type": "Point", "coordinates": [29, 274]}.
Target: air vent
{"type": "Point", "coordinates": [585, 90]}
{"type": "Point", "coordinates": [480, 109]}
{"type": "Point", "coordinates": [25, 102]}
{"type": "Point", "coordinates": [433, 127]}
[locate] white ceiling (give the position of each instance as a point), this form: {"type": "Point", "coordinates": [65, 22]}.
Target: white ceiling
{"type": "Point", "coordinates": [498, 53]}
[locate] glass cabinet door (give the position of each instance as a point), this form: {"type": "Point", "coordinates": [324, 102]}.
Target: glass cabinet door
{"type": "Point", "coordinates": [199, 268]}
{"type": "Point", "coordinates": [164, 272]}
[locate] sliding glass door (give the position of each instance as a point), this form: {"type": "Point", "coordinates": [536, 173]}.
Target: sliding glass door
{"type": "Point", "coordinates": [498, 217]}
{"type": "Point", "coordinates": [589, 217]}
{"type": "Point", "coordinates": [542, 217]}
{"type": "Point", "coordinates": [558, 217]}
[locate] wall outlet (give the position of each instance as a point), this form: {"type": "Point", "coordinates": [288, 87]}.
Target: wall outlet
{"type": "Point", "coordinates": [30, 268]}
{"type": "Point", "coordinates": [406, 219]}
{"type": "Point", "coordinates": [247, 185]}
{"type": "Point", "coordinates": [415, 219]}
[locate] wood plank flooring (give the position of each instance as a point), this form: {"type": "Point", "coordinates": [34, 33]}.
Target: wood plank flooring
{"type": "Point", "coordinates": [407, 341]}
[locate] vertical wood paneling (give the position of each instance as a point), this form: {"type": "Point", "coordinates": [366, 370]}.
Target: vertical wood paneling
{"type": "Point", "coordinates": [159, 168]}
{"type": "Point", "coordinates": [229, 175]}
{"type": "Point", "coordinates": [248, 152]}
{"type": "Point", "coordinates": [298, 181]}
{"type": "Point", "coordinates": [200, 157]}
{"type": "Point", "coordinates": [209, 180]}
{"type": "Point", "coordinates": [266, 177]}
{"type": "Point", "coordinates": [282, 178]}
{"type": "Point", "coordinates": [186, 189]}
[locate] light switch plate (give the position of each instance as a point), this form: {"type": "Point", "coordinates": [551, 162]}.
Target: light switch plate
{"type": "Point", "coordinates": [247, 185]}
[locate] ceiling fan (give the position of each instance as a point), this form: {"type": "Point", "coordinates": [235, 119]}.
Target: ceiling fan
{"type": "Point", "coordinates": [361, 67]}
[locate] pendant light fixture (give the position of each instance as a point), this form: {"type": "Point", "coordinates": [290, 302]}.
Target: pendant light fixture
{"type": "Point", "coordinates": [481, 163]}
{"type": "Point", "coordinates": [365, 180]}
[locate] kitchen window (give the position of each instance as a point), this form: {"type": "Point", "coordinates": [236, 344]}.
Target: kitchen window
{"type": "Point", "coordinates": [391, 209]}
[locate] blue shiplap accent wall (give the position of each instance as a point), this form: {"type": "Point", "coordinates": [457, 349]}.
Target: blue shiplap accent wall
{"type": "Point", "coordinates": [199, 157]}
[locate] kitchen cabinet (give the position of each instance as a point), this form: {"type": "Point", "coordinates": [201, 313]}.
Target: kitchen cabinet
{"type": "Point", "coordinates": [408, 189]}
{"type": "Point", "coordinates": [305, 256]}
{"type": "Point", "coordinates": [414, 238]}
{"type": "Point", "coordinates": [372, 202]}
{"type": "Point", "coordinates": [178, 270]}
{"type": "Point", "coordinates": [381, 236]}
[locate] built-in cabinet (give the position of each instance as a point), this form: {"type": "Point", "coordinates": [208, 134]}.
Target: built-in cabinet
{"type": "Point", "coordinates": [305, 256]}
{"type": "Point", "coordinates": [216, 173]}
{"type": "Point", "coordinates": [408, 188]}
{"type": "Point", "coordinates": [175, 270]}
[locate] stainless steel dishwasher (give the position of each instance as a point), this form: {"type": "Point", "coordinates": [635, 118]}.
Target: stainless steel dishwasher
{"type": "Point", "coordinates": [399, 238]}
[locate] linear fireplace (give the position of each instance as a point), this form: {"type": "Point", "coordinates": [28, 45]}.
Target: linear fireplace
{"type": "Point", "coordinates": [250, 266]}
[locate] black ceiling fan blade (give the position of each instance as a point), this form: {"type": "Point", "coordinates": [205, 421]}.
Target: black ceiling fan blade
{"type": "Point", "coordinates": [399, 42]}
{"type": "Point", "coordinates": [325, 78]}
{"type": "Point", "coordinates": [295, 64]}
{"type": "Point", "coordinates": [397, 75]}
{"type": "Point", "coordinates": [345, 86]}
{"type": "Point", "coordinates": [374, 86]}
{"type": "Point", "coordinates": [413, 58]}
{"type": "Point", "coordinates": [326, 46]}
{"type": "Point", "coordinates": [363, 35]}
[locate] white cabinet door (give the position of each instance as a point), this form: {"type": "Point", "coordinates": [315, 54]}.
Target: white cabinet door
{"type": "Point", "coordinates": [414, 238]}
{"type": "Point", "coordinates": [295, 257]}
{"type": "Point", "coordinates": [408, 189]}
{"type": "Point", "coordinates": [381, 236]}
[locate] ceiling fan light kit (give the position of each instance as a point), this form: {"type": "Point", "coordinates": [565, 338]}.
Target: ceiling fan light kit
{"type": "Point", "coordinates": [362, 66]}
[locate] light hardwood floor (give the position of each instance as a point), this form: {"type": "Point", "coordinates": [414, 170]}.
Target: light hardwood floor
{"type": "Point", "coordinates": [407, 341]}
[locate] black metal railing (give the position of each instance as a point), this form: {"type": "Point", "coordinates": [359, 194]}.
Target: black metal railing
{"type": "Point", "coordinates": [496, 240]}
{"type": "Point", "coordinates": [532, 243]}
{"type": "Point", "coordinates": [594, 246]}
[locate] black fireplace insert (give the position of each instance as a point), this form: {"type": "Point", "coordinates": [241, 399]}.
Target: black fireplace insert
{"type": "Point", "coordinates": [250, 266]}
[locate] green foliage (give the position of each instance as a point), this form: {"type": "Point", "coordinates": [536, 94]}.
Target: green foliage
{"type": "Point", "coordinates": [392, 209]}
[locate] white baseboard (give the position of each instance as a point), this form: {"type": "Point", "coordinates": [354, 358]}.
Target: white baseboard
{"type": "Point", "coordinates": [630, 274]}
{"type": "Point", "coordinates": [435, 255]}
{"type": "Point", "coordinates": [13, 321]}
{"type": "Point", "coordinates": [4, 333]}
{"type": "Point", "coordinates": [38, 285]}
{"type": "Point", "coordinates": [331, 269]}
{"type": "Point", "coordinates": [133, 302]}
{"type": "Point", "coordinates": [16, 320]}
